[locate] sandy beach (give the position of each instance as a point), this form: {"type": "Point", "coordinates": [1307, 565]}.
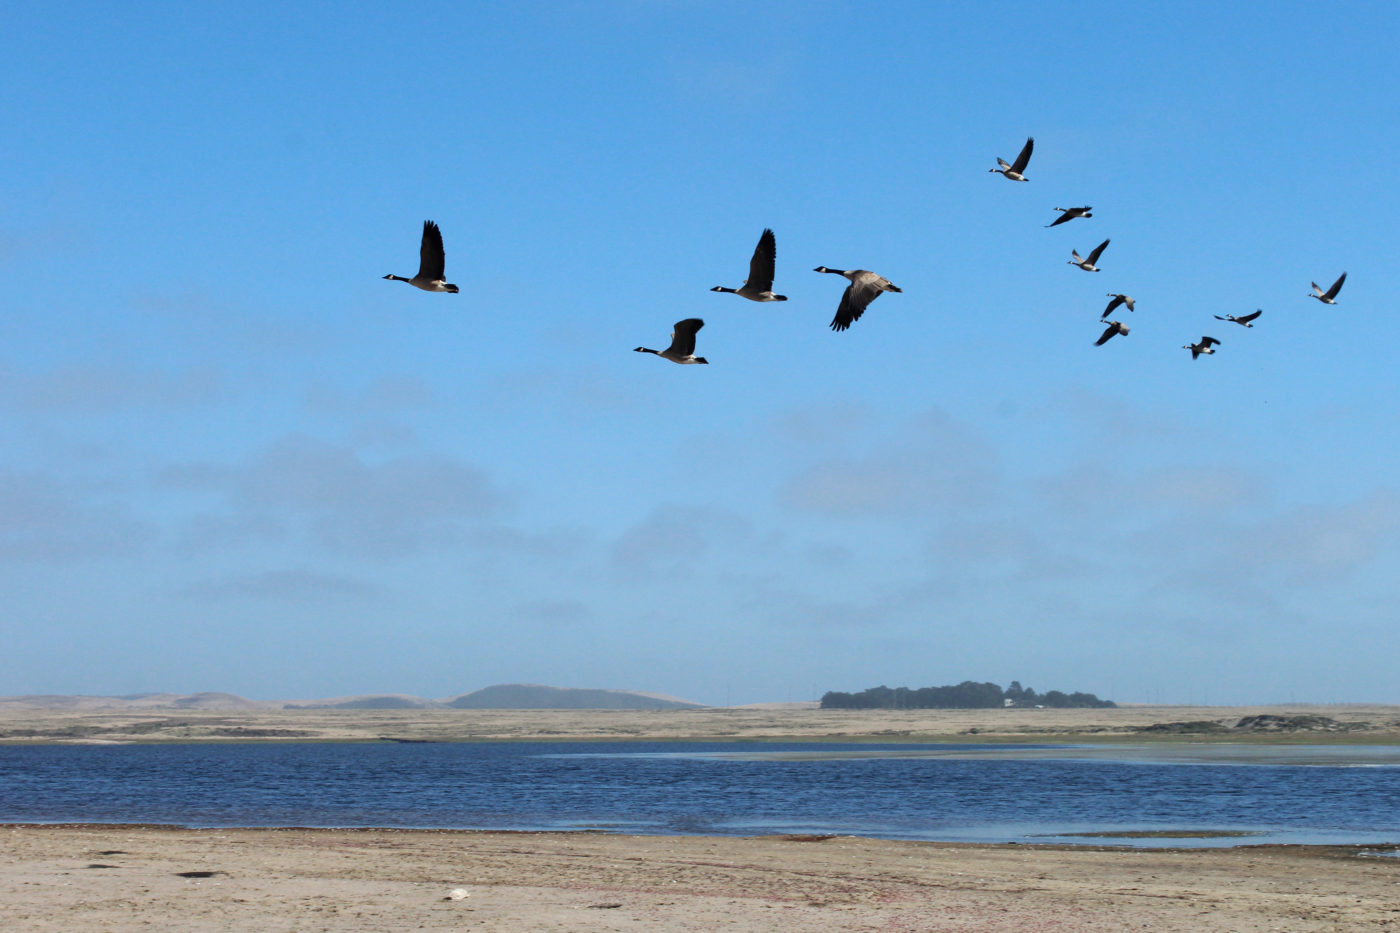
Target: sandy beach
{"type": "Point", "coordinates": [120, 878]}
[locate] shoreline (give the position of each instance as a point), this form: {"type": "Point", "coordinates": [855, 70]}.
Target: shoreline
{"type": "Point", "coordinates": [1147, 840]}
{"type": "Point", "coordinates": [124, 877]}
{"type": "Point", "coordinates": [1383, 849]}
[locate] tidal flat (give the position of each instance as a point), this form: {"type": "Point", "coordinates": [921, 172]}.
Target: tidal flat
{"type": "Point", "coordinates": [1266, 725]}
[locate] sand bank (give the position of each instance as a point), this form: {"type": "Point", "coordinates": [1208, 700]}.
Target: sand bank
{"type": "Point", "coordinates": [1351, 724]}
{"type": "Point", "coordinates": [122, 878]}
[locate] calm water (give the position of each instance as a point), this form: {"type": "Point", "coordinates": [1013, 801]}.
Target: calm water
{"type": "Point", "coordinates": [939, 792]}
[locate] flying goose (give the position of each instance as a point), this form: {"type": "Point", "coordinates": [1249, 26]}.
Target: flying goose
{"type": "Point", "coordinates": [1087, 264]}
{"type": "Point", "coordinates": [1016, 171]}
{"type": "Point", "coordinates": [1070, 213]}
{"type": "Point", "coordinates": [759, 286]}
{"type": "Point", "coordinates": [430, 277]}
{"type": "Point", "coordinates": [865, 287]}
{"type": "Point", "coordinates": [1331, 293]}
{"type": "Point", "coordinates": [1117, 300]}
{"type": "Point", "coordinates": [1203, 347]}
{"type": "Point", "coordinates": [1114, 328]}
{"type": "Point", "coordinates": [682, 348]}
{"type": "Point", "coordinates": [1244, 319]}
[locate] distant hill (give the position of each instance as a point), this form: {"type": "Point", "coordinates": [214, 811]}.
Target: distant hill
{"type": "Point", "coordinates": [500, 696]}
{"type": "Point", "coordinates": [135, 701]}
{"type": "Point", "coordinates": [370, 701]}
{"type": "Point", "coordinates": [215, 701]}
{"type": "Point", "coordinates": [535, 696]}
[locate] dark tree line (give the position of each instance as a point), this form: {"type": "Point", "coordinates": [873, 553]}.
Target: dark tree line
{"type": "Point", "coordinates": [966, 695]}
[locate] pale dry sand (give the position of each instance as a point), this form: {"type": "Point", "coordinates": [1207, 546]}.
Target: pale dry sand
{"type": "Point", "coordinates": [1373, 724]}
{"type": "Point", "coordinates": [382, 880]}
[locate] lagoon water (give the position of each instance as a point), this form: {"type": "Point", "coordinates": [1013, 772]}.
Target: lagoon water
{"type": "Point", "coordinates": [981, 793]}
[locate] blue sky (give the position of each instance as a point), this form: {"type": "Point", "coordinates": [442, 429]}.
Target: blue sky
{"type": "Point", "coordinates": [234, 458]}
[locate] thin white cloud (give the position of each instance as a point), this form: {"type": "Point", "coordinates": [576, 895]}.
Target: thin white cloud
{"type": "Point", "coordinates": [934, 461]}
{"type": "Point", "coordinates": [1005, 551]}
{"type": "Point", "coordinates": [43, 519]}
{"type": "Point", "coordinates": [208, 533]}
{"type": "Point", "coordinates": [673, 538]}
{"type": "Point", "coordinates": [1316, 543]}
{"type": "Point", "coordinates": [203, 323]}
{"type": "Point", "coordinates": [284, 586]}
{"type": "Point", "coordinates": [387, 395]}
{"type": "Point", "coordinates": [344, 501]}
{"type": "Point", "coordinates": [824, 426]}
{"type": "Point", "coordinates": [1104, 493]}
{"type": "Point", "coordinates": [95, 388]}
{"type": "Point", "coordinates": [542, 547]}
{"type": "Point", "coordinates": [1111, 421]}
{"type": "Point", "coordinates": [1201, 489]}
{"type": "Point", "coordinates": [383, 434]}
{"type": "Point", "coordinates": [590, 389]}
{"type": "Point", "coordinates": [553, 612]}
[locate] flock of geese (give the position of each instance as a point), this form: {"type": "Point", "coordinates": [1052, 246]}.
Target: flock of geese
{"type": "Point", "coordinates": [1016, 171]}
{"type": "Point", "coordinates": [865, 286]}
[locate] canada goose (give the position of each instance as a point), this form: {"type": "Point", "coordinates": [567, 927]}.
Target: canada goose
{"type": "Point", "coordinates": [1331, 293]}
{"type": "Point", "coordinates": [1203, 347]}
{"type": "Point", "coordinates": [1016, 171]}
{"type": "Point", "coordinates": [1117, 300]}
{"type": "Point", "coordinates": [759, 286]}
{"type": "Point", "coordinates": [1244, 319]}
{"type": "Point", "coordinates": [682, 348]}
{"type": "Point", "coordinates": [1070, 213]}
{"type": "Point", "coordinates": [865, 287]}
{"type": "Point", "coordinates": [1087, 264]}
{"type": "Point", "coordinates": [1114, 328]}
{"type": "Point", "coordinates": [431, 259]}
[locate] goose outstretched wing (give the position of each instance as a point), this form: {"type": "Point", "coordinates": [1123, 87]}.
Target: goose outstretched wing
{"type": "Point", "coordinates": [432, 262]}
{"type": "Point", "coordinates": [1113, 328]}
{"type": "Point", "coordinates": [1336, 287]}
{"type": "Point", "coordinates": [763, 263]}
{"type": "Point", "coordinates": [683, 336]}
{"type": "Point", "coordinates": [1024, 159]}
